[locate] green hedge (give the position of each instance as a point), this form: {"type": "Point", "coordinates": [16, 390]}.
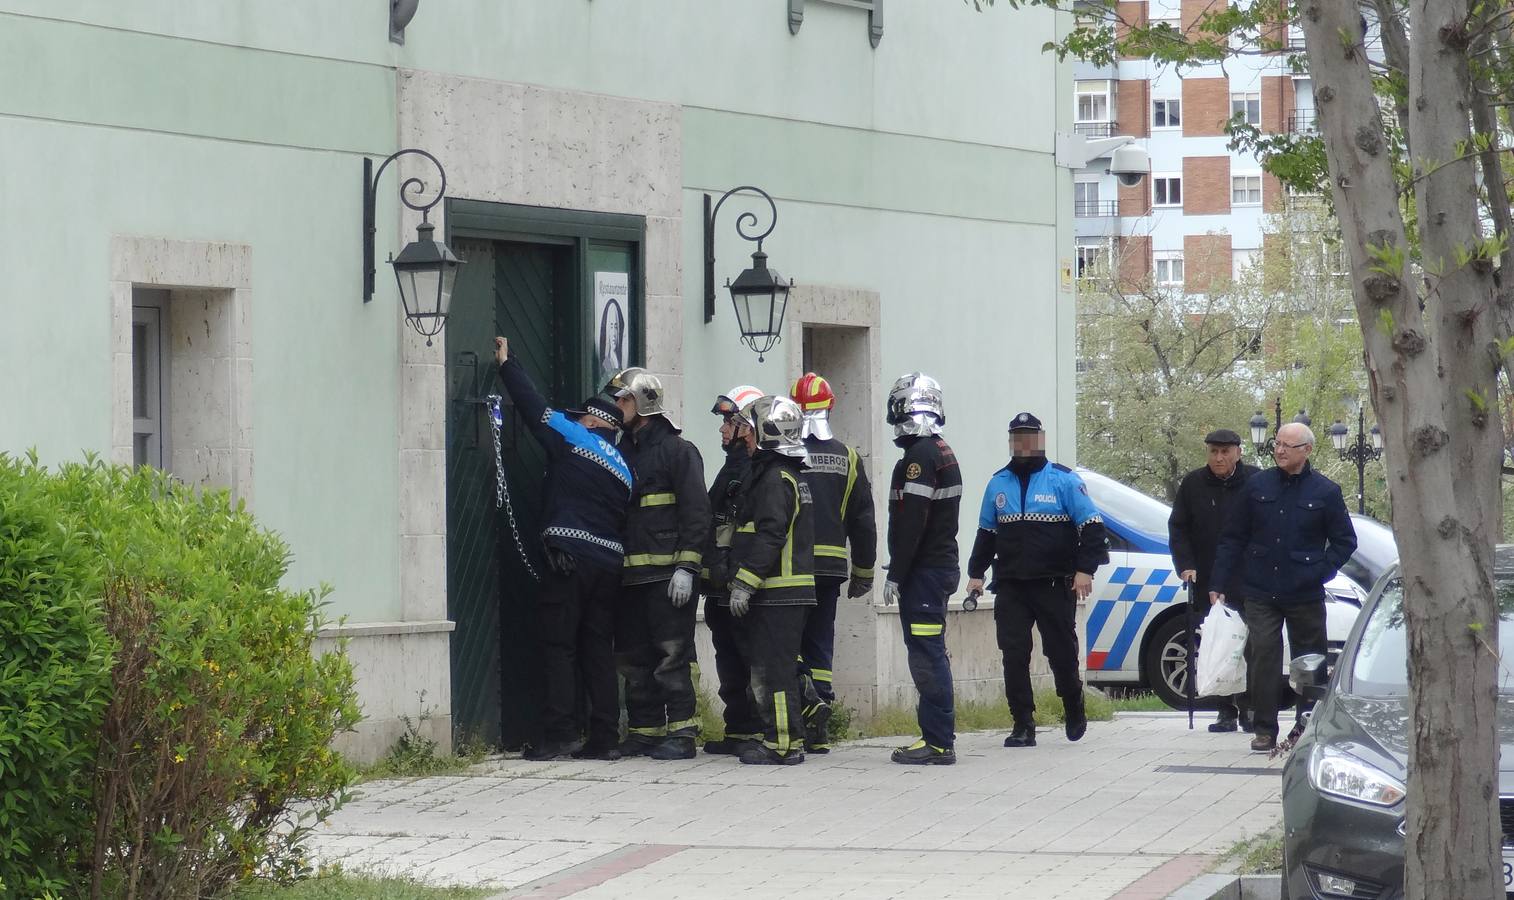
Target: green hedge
{"type": "Point", "coordinates": [183, 715]}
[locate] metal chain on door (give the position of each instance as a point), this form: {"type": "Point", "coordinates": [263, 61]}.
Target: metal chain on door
{"type": "Point", "coordinates": [501, 490]}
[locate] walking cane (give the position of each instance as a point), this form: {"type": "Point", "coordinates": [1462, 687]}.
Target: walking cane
{"type": "Point", "coordinates": [1188, 621]}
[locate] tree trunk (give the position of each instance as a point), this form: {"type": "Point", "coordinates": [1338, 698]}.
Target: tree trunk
{"type": "Point", "coordinates": [1441, 447]}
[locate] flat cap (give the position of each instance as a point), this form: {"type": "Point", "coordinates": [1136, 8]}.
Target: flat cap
{"type": "Point", "coordinates": [1222, 436]}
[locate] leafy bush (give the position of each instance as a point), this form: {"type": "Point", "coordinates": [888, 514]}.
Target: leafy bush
{"type": "Point", "coordinates": [54, 684]}
{"type": "Point", "coordinates": [214, 718]}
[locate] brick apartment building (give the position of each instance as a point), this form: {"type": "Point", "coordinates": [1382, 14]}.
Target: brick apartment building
{"type": "Point", "coordinates": [1200, 214]}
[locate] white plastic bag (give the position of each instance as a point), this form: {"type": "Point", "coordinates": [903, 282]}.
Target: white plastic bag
{"type": "Point", "coordinates": [1222, 660]}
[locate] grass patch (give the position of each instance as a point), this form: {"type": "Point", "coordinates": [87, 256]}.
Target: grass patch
{"type": "Point", "coordinates": [415, 755]}
{"type": "Point", "coordinates": [976, 716]}
{"type": "Point", "coordinates": [1261, 855]}
{"type": "Point", "coordinates": [1140, 701]}
{"type": "Point", "coordinates": [355, 887]}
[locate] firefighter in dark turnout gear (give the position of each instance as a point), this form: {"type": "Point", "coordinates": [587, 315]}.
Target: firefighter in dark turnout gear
{"type": "Point", "coordinates": [772, 587]}
{"type": "Point", "coordinates": [666, 529]}
{"type": "Point", "coordinates": [588, 488]}
{"type": "Point", "coordinates": [1045, 539]}
{"type": "Point", "coordinates": [1206, 498]}
{"type": "Point", "coordinates": [743, 727]}
{"type": "Point", "coordinates": [924, 497]}
{"type": "Point", "coordinates": [843, 509]}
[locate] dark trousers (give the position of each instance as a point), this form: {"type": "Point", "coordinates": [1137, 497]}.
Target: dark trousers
{"type": "Point", "coordinates": [769, 639]}
{"type": "Point", "coordinates": [1050, 605]}
{"type": "Point", "coordinates": [922, 617]}
{"type": "Point", "coordinates": [576, 618]}
{"type": "Point", "coordinates": [818, 646]}
{"type": "Point", "coordinates": [1264, 645]}
{"type": "Point", "coordinates": [654, 649]}
{"type": "Point", "coordinates": [741, 719]}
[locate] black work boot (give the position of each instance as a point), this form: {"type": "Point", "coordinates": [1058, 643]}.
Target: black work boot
{"type": "Point", "coordinates": [1024, 734]}
{"type": "Point", "coordinates": [637, 745]}
{"type": "Point", "coordinates": [605, 750]}
{"type": "Point", "coordinates": [673, 747]}
{"type": "Point", "coordinates": [922, 754]}
{"type": "Point", "coordinates": [730, 745]}
{"type": "Point", "coordinates": [1075, 718]}
{"type": "Point", "coordinates": [817, 731]}
{"type": "Point", "coordinates": [551, 750]}
{"type": "Point", "coordinates": [1226, 723]}
{"type": "Point", "coordinates": [1246, 721]}
{"type": "Point", "coordinates": [761, 755]}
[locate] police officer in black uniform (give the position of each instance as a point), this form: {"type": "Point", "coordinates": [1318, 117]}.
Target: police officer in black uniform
{"type": "Point", "coordinates": [1206, 498]}
{"type": "Point", "coordinates": [588, 488]}
{"type": "Point", "coordinates": [1045, 540]}
{"type": "Point", "coordinates": [665, 534]}
{"type": "Point", "coordinates": [772, 588]}
{"type": "Point", "coordinates": [925, 495]}
{"type": "Point", "coordinates": [743, 727]}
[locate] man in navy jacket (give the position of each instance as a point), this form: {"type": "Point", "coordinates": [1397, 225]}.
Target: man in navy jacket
{"type": "Point", "coordinates": [1288, 537]}
{"type": "Point", "coordinates": [588, 492]}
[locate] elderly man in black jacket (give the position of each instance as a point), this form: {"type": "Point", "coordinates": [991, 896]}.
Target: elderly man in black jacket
{"type": "Point", "coordinates": [1206, 499]}
{"type": "Point", "coordinates": [1289, 537]}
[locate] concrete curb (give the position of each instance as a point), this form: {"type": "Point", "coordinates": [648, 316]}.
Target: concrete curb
{"type": "Point", "coordinates": [1230, 887]}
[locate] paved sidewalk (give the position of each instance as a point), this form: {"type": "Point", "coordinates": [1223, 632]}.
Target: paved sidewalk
{"type": "Point", "coordinates": [1134, 810]}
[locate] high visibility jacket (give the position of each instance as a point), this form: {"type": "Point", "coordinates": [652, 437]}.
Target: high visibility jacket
{"type": "Point", "coordinates": [924, 498]}
{"type": "Point", "coordinates": [670, 512]}
{"type": "Point", "coordinates": [773, 551]}
{"type": "Point", "coordinates": [725, 497]}
{"type": "Point", "coordinates": [1037, 523]}
{"type": "Point", "coordinates": [843, 501]}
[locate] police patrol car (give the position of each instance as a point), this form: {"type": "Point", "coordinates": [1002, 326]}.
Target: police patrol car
{"type": "Point", "coordinates": [1136, 631]}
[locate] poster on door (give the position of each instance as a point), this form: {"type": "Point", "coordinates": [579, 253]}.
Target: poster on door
{"type": "Point", "coordinates": [612, 300]}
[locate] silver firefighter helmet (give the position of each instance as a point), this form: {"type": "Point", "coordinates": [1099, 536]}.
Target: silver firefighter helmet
{"type": "Point", "coordinates": [642, 386]}
{"type": "Point", "coordinates": [915, 406]}
{"type": "Point", "coordinates": [779, 424]}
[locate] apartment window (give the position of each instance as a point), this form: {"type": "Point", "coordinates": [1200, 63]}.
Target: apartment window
{"type": "Point", "coordinates": [1246, 190]}
{"type": "Point", "coordinates": [1175, 22]}
{"type": "Point", "coordinates": [1167, 113]}
{"type": "Point", "coordinates": [1167, 265]}
{"type": "Point", "coordinates": [1243, 261]}
{"type": "Point", "coordinates": [149, 378]}
{"type": "Point", "coordinates": [1093, 258]}
{"type": "Point", "coordinates": [1092, 101]}
{"type": "Point", "coordinates": [1166, 190]}
{"type": "Point", "coordinates": [1087, 202]}
{"type": "Point", "coordinates": [1247, 107]}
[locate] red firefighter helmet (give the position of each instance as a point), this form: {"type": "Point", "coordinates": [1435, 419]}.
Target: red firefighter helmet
{"type": "Point", "coordinates": [813, 393]}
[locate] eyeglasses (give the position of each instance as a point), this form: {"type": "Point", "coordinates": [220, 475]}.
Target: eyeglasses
{"type": "Point", "coordinates": [1281, 446]}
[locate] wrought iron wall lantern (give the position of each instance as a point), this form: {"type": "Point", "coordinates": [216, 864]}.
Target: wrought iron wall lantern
{"type": "Point", "coordinates": [426, 268]}
{"type": "Point", "coordinates": [759, 295]}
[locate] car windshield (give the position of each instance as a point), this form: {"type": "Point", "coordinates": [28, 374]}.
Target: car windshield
{"type": "Point", "coordinates": [1127, 505]}
{"type": "Point", "coordinates": [1381, 668]}
{"type": "Point", "coordinates": [1376, 550]}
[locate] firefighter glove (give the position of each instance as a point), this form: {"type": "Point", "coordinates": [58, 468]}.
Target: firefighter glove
{"type": "Point", "coordinates": [858, 587]}
{"type": "Point", "coordinates": [681, 588]}
{"type": "Point", "coordinates": [741, 600]}
{"type": "Point", "coordinates": [890, 593]}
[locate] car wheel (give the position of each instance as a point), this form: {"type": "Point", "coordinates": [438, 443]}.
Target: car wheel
{"type": "Point", "coordinates": [1165, 665]}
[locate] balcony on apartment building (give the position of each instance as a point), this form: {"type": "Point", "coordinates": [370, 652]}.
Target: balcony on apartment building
{"type": "Point", "coordinates": [1090, 209]}
{"type": "Point", "coordinates": [1094, 129]}
{"type": "Point", "coordinates": [1303, 121]}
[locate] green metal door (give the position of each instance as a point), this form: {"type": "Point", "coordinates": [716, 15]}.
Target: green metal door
{"type": "Point", "coordinates": [506, 288]}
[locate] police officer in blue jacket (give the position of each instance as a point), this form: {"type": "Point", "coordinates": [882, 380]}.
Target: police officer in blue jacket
{"type": "Point", "coordinates": [1045, 539]}
{"type": "Point", "coordinates": [588, 489]}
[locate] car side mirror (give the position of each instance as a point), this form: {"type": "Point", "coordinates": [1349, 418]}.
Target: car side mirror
{"type": "Point", "coordinates": [1310, 676]}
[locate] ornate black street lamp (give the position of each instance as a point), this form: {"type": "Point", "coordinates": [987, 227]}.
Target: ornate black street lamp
{"type": "Point", "coordinates": [759, 295]}
{"type": "Point", "coordinates": [1261, 444]}
{"type": "Point", "coordinates": [426, 268]}
{"type": "Point", "coordinates": [1359, 452]}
